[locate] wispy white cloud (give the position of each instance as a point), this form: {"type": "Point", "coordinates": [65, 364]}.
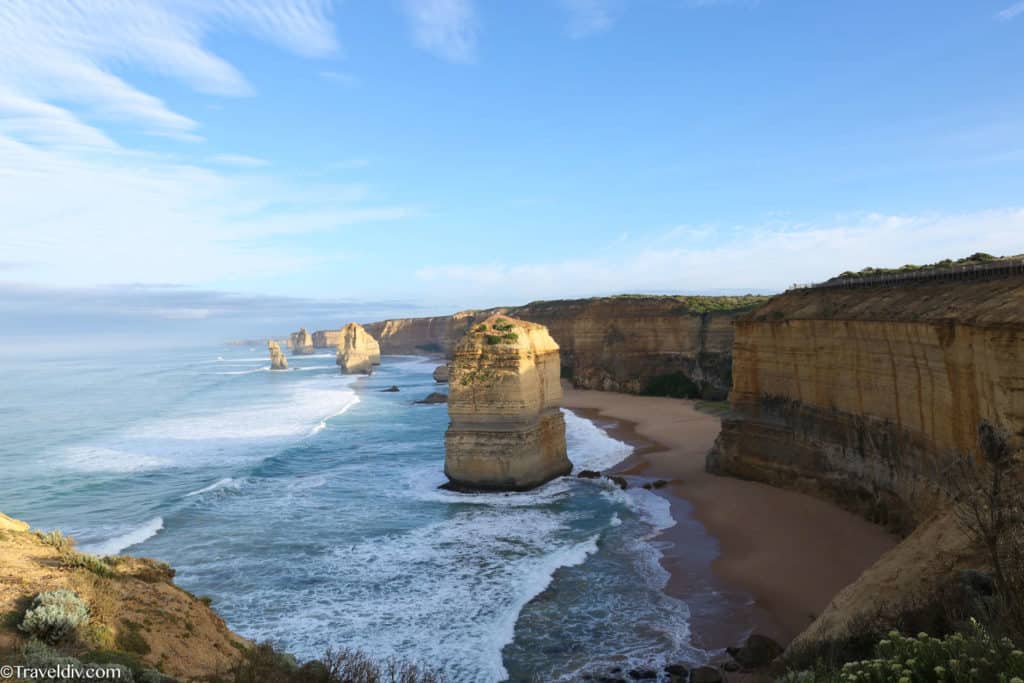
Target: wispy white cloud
{"type": "Point", "coordinates": [129, 216]}
{"type": "Point", "coordinates": [65, 54]}
{"type": "Point", "coordinates": [241, 160]}
{"type": "Point", "coordinates": [748, 258]}
{"type": "Point", "coordinates": [446, 28]}
{"type": "Point", "coordinates": [1011, 11]}
{"type": "Point", "coordinates": [587, 17]}
{"type": "Point", "coordinates": [339, 77]}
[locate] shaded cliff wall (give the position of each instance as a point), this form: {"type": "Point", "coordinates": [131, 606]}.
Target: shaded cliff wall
{"type": "Point", "coordinates": [618, 343]}
{"type": "Point", "coordinates": [867, 396]}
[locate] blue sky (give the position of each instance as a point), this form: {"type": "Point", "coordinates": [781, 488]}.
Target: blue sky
{"type": "Point", "coordinates": [418, 156]}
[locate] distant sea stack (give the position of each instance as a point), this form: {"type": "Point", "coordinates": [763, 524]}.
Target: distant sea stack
{"type": "Point", "coordinates": [358, 352]}
{"type": "Point", "coordinates": [507, 432]}
{"type": "Point", "coordinates": [301, 342]}
{"type": "Point", "coordinates": [277, 359]}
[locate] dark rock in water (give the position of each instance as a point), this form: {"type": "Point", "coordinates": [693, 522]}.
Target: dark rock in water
{"type": "Point", "coordinates": [620, 482]}
{"type": "Point", "coordinates": [660, 483]}
{"type": "Point", "coordinates": [706, 674]}
{"type": "Point", "coordinates": [616, 670]}
{"type": "Point", "coordinates": [392, 389]}
{"type": "Point", "coordinates": [434, 397]}
{"type": "Point", "coordinates": [643, 674]}
{"type": "Point", "coordinates": [758, 651]}
{"type": "Point", "coordinates": [648, 486]}
{"type": "Point", "coordinates": [611, 679]}
{"type": "Point", "coordinates": [441, 374]}
{"type": "Point", "coordinates": [731, 666]}
{"type": "Point", "coordinates": [589, 474]}
{"type": "Point", "coordinates": [680, 670]}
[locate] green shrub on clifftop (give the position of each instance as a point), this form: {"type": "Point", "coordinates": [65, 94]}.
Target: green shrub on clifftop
{"type": "Point", "coordinates": [54, 615]}
{"type": "Point", "coordinates": [972, 657]}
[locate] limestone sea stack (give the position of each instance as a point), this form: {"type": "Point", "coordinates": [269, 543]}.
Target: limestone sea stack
{"type": "Point", "coordinates": [301, 342]}
{"type": "Point", "coordinates": [506, 432]}
{"type": "Point", "coordinates": [441, 374]}
{"type": "Point", "coordinates": [358, 352]}
{"type": "Point", "coordinates": [277, 359]}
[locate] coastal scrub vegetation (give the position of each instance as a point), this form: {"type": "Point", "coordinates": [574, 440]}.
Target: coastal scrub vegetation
{"type": "Point", "coordinates": [972, 657]}
{"type": "Point", "coordinates": [265, 663]}
{"type": "Point", "coordinates": [54, 616]}
{"type": "Point", "coordinates": [972, 260]}
{"type": "Point", "coordinates": [686, 304]}
{"type": "Point", "coordinates": [989, 494]}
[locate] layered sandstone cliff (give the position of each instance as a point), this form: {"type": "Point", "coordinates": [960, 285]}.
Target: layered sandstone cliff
{"type": "Point", "coordinates": [507, 431]}
{"type": "Point", "coordinates": [277, 359]}
{"type": "Point", "coordinates": [358, 352]}
{"type": "Point", "coordinates": [634, 344]}
{"type": "Point", "coordinates": [301, 342]}
{"type": "Point", "coordinates": [869, 396]}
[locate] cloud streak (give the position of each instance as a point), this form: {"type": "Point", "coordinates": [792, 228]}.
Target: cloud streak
{"type": "Point", "coordinates": [144, 218]}
{"type": "Point", "coordinates": [589, 17]}
{"type": "Point", "coordinates": [446, 28]}
{"type": "Point", "coordinates": [1011, 12]}
{"type": "Point", "coordinates": [67, 51]}
{"type": "Point", "coordinates": [766, 258]}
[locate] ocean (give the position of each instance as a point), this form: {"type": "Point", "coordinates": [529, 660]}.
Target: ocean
{"type": "Point", "coordinates": [306, 505]}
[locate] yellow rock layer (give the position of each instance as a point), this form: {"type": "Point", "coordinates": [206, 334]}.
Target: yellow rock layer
{"type": "Point", "coordinates": [358, 352]}
{"type": "Point", "coordinates": [507, 431]}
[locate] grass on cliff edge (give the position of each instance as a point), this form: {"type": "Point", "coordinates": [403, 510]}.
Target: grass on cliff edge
{"type": "Point", "coordinates": [972, 260]}
{"type": "Point", "coordinates": [696, 304]}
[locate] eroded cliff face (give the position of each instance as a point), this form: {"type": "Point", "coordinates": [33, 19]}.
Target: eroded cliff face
{"type": "Point", "coordinates": [507, 431]}
{"type": "Point", "coordinates": [869, 396]}
{"type": "Point", "coordinates": [623, 343]}
{"type": "Point", "coordinates": [301, 342]}
{"type": "Point", "coordinates": [358, 352]}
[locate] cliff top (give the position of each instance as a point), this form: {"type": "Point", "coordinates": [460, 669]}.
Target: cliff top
{"type": "Point", "coordinates": [995, 301]}
{"type": "Point", "coordinates": [503, 332]}
{"type": "Point", "coordinates": [136, 615]}
{"type": "Point", "coordinates": [685, 303]}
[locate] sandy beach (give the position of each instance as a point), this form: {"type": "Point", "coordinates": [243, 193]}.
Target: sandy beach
{"type": "Point", "coordinates": [778, 556]}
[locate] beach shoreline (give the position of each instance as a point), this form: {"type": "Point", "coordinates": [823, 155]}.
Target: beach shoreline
{"type": "Point", "coordinates": [778, 556]}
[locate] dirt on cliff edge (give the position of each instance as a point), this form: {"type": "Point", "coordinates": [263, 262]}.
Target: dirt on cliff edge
{"type": "Point", "coordinates": [136, 611]}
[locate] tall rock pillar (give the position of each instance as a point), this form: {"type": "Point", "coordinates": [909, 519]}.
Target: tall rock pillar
{"type": "Point", "coordinates": [507, 432]}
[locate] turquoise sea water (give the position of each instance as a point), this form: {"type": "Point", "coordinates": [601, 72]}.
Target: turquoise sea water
{"type": "Point", "coordinates": [305, 503]}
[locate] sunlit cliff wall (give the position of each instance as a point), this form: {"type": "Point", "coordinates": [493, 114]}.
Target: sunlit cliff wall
{"type": "Point", "coordinates": [866, 396]}
{"type": "Point", "coordinates": [613, 343]}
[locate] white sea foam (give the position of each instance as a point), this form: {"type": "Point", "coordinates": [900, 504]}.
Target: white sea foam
{"type": "Point", "coordinates": [102, 459]}
{"type": "Point", "coordinates": [254, 427]}
{"type": "Point", "coordinates": [227, 482]}
{"type": "Point", "coordinates": [590, 447]}
{"type": "Point", "coordinates": [293, 412]}
{"type": "Point", "coordinates": [244, 372]}
{"type": "Point", "coordinates": [448, 593]}
{"type": "Point", "coordinates": [122, 542]}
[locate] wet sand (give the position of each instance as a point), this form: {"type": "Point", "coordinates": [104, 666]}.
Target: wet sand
{"type": "Point", "coordinates": [778, 556]}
